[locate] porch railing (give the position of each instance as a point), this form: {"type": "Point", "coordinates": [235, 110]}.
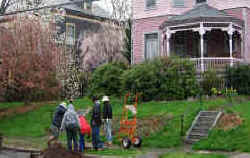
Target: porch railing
{"type": "Point", "coordinates": [204, 64]}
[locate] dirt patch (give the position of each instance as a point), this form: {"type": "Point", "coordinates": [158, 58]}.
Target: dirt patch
{"type": "Point", "coordinates": [58, 151]}
{"type": "Point", "coordinates": [229, 121]}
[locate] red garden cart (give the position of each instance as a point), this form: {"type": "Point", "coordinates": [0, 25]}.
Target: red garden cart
{"type": "Point", "coordinates": [128, 126]}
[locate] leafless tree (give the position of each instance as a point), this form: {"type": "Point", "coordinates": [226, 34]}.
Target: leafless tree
{"type": "Point", "coordinates": [14, 5]}
{"type": "Point", "coordinates": [121, 9]}
{"type": "Point", "coordinates": [5, 4]}
{"type": "Point", "coordinates": [102, 47]}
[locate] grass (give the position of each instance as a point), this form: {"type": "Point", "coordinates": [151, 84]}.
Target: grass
{"type": "Point", "coordinates": [35, 124]}
{"type": "Point", "coordinates": [231, 140]}
{"type": "Point", "coordinates": [116, 152]}
{"type": "Point", "coordinates": [191, 155]}
{"type": "Point", "coordinates": [10, 105]}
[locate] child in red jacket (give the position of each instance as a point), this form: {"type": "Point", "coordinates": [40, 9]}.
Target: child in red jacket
{"type": "Point", "coordinates": [84, 129]}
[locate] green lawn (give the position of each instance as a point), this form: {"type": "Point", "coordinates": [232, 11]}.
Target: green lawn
{"type": "Point", "coordinates": [116, 152]}
{"type": "Point", "coordinates": [191, 155]}
{"type": "Point", "coordinates": [35, 124]}
{"type": "Point", "coordinates": [10, 105]}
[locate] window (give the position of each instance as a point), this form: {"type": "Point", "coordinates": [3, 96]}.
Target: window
{"type": "Point", "coordinates": [150, 4]}
{"type": "Point", "coordinates": [86, 4]}
{"type": "Point", "coordinates": [70, 34]}
{"type": "Point", "coordinates": [178, 3]}
{"type": "Point", "coordinates": [83, 4]}
{"type": "Point", "coordinates": [151, 45]}
{"type": "Point", "coordinates": [201, 1]}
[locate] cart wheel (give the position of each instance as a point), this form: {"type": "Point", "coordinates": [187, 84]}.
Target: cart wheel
{"type": "Point", "coordinates": [137, 142]}
{"type": "Point", "coordinates": [126, 143]}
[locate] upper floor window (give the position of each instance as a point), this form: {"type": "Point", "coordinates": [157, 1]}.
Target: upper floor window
{"type": "Point", "coordinates": [150, 4]}
{"type": "Point", "coordinates": [178, 3]}
{"type": "Point", "coordinates": [201, 1]}
{"type": "Point", "coordinates": [70, 33]}
{"type": "Point", "coordinates": [151, 45]}
{"type": "Point", "coordinates": [86, 4]}
{"type": "Point", "coordinates": [82, 4]}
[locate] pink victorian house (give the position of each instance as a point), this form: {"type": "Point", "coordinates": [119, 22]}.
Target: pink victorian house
{"type": "Point", "coordinates": [212, 33]}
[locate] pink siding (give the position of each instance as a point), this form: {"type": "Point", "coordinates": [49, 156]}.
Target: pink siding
{"type": "Point", "coordinates": [165, 7]}
{"type": "Point", "coordinates": [236, 12]}
{"type": "Point", "coordinates": [146, 21]}
{"type": "Point", "coordinates": [142, 26]}
{"type": "Point", "coordinates": [247, 39]}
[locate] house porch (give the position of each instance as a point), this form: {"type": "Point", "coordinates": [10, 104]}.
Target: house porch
{"type": "Point", "coordinates": [208, 36]}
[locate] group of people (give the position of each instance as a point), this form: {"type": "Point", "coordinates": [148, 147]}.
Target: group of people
{"type": "Point", "coordinates": [74, 123]}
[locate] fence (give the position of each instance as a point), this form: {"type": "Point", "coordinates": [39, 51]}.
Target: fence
{"type": "Point", "coordinates": [204, 64]}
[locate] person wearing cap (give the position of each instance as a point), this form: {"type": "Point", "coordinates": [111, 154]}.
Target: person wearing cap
{"type": "Point", "coordinates": [107, 117]}
{"type": "Point", "coordinates": [57, 121]}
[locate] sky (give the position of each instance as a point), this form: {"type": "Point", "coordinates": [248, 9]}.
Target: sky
{"type": "Point", "coordinates": [105, 4]}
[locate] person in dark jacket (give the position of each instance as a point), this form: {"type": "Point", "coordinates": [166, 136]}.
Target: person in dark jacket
{"type": "Point", "coordinates": [107, 117]}
{"type": "Point", "coordinates": [95, 124]}
{"type": "Point", "coordinates": [56, 122]}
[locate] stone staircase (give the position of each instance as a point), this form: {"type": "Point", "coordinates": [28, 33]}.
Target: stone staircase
{"type": "Point", "coordinates": [201, 126]}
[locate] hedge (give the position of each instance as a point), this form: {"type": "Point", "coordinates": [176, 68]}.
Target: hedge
{"type": "Point", "coordinates": [162, 79]}
{"type": "Point", "coordinates": [157, 79]}
{"type": "Point", "coordinates": [238, 77]}
{"type": "Point", "coordinates": [106, 79]}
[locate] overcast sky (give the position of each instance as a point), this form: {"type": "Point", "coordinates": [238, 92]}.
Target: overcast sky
{"type": "Point", "coordinates": [105, 4]}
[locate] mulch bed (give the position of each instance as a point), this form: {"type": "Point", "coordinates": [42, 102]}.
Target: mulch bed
{"type": "Point", "coordinates": [229, 121]}
{"type": "Point", "coordinates": [58, 151]}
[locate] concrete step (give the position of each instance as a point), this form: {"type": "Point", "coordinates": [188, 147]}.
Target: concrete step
{"type": "Point", "coordinates": [198, 134]}
{"type": "Point", "coordinates": [200, 130]}
{"type": "Point", "coordinates": [203, 122]}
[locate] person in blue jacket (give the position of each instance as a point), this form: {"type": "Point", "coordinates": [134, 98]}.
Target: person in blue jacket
{"type": "Point", "coordinates": [56, 122]}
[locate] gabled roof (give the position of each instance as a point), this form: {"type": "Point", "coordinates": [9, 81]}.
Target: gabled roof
{"type": "Point", "coordinates": [201, 13]}
{"type": "Point", "coordinates": [76, 7]}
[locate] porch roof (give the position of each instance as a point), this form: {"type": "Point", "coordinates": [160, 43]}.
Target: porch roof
{"type": "Point", "coordinates": [202, 13]}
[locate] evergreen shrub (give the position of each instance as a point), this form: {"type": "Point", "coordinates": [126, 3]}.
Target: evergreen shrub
{"type": "Point", "coordinates": [238, 77]}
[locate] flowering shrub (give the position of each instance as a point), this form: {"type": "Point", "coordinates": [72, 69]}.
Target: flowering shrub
{"type": "Point", "coordinates": [29, 62]}
{"type": "Point", "coordinates": [229, 93]}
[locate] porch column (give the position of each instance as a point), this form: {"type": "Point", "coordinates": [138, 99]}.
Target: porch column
{"type": "Point", "coordinates": [202, 31]}
{"type": "Point", "coordinates": [230, 33]}
{"type": "Point", "coordinates": [242, 46]}
{"type": "Point", "coordinates": [168, 33]}
{"type": "Point", "coordinates": [162, 44]}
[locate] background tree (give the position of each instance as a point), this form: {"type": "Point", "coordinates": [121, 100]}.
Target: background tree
{"type": "Point", "coordinates": [14, 5]}
{"type": "Point", "coordinates": [30, 60]}
{"type": "Point", "coordinates": [104, 46]}
{"type": "Point", "coordinates": [5, 4]}
{"type": "Point", "coordinates": [121, 10]}
{"type": "Point", "coordinates": [127, 52]}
